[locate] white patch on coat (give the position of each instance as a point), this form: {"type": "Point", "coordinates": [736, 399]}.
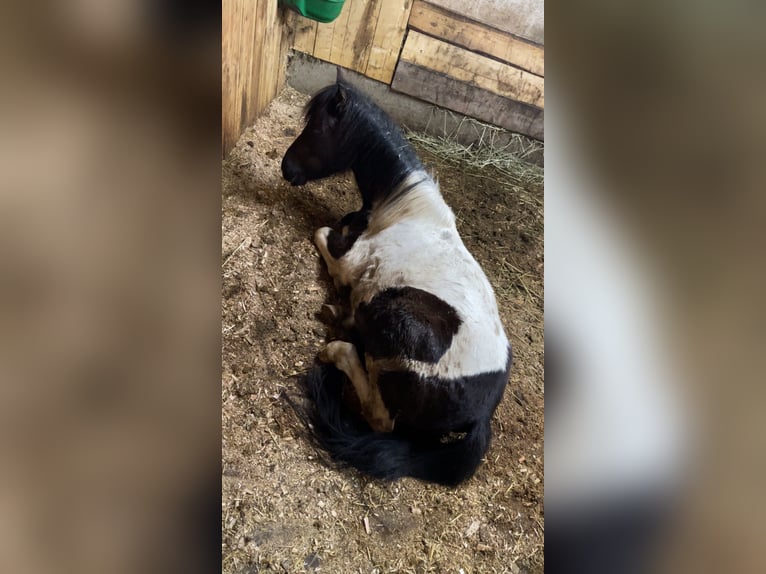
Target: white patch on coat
{"type": "Point", "coordinates": [413, 241]}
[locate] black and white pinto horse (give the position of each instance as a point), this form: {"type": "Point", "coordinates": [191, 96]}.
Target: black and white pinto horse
{"type": "Point", "coordinates": [430, 359]}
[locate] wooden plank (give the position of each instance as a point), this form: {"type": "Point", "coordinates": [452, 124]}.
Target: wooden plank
{"type": "Point", "coordinates": [390, 29]}
{"type": "Point", "coordinates": [305, 31]}
{"type": "Point", "coordinates": [366, 37]}
{"type": "Point", "coordinates": [340, 30]}
{"type": "Point", "coordinates": [287, 39]}
{"type": "Point", "coordinates": [254, 55]}
{"type": "Point", "coordinates": [265, 68]}
{"type": "Point", "coordinates": [475, 69]}
{"type": "Point", "coordinates": [360, 28]}
{"type": "Point", "coordinates": [468, 99]}
{"type": "Point", "coordinates": [226, 71]}
{"type": "Point", "coordinates": [457, 29]}
{"type": "Point", "coordinates": [268, 61]}
{"type": "Point", "coordinates": [231, 25]}
{"type": "Point", "coordinates": [324, 40]}
{"type": "Point", "coordinates": [522, 18]}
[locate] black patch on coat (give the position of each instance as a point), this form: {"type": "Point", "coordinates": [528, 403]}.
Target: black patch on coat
{"type": "Point", "coordinates": [435, 406]}
{"type": "Point", "coordinates": [406, 322]}
{"type": "Point", "coordinates": [338, 244]}
{"type": "Point", "coordinates": [356, 221]}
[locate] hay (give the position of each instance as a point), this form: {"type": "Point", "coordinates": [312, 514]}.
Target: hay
{"type": "Point", "coordinates": [508, 153]}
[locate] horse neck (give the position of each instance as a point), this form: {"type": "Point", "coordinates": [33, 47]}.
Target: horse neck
{"type": "Point", "coordinates": [380, 167]}
{"type": "Point", "coordinates": [417, 197]}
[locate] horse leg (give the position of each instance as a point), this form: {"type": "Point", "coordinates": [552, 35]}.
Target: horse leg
{"type": "Point", "coordinates": [353, 224]}
{"type": "Point", "coordinates": [344, 356]}
{"type": "Point", "coordinates": [347, 221]}
{"type": "Point", "coordinates": [338, 321]}
{"type": "Point", "coordinates": [332, 246]}
{"type": "Point", "coordinates": [335, 315]}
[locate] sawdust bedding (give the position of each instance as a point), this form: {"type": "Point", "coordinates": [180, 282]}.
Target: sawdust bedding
{"type": "Point", "coordinates": [286, 510]}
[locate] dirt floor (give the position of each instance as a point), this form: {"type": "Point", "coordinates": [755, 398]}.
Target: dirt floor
{"type": "Point", "coordinates": [284, 510]}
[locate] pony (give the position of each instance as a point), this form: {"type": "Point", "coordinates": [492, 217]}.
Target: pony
{"type": "Point", "coordinates": [427, 358]}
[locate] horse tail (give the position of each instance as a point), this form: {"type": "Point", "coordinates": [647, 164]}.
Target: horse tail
{"type": "Point", "coordinates": [388, 456]}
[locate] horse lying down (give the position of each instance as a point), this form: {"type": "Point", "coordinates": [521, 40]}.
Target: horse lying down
{"type": "Point", "coordinates": [430, 359]}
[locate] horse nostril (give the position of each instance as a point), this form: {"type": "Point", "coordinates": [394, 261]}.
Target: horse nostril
{"type": "Point", "coordinates": [287, 168]}
{"type": "Point", "coordinates": [292, 172]}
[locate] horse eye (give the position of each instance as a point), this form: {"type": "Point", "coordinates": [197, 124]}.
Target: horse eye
{"type": "Point", "coordinates": [320, 129]}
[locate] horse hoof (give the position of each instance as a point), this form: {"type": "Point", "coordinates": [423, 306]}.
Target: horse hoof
{"type": "Point", "coordinates": [331, 312]}
{"type": "Point", "coordinates": [331, 315]}
{"type": "Point", "coordinates": [381, 425]}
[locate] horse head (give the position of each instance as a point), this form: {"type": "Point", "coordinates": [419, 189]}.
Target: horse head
{"type": "Point", "coordinates": [318, 151]}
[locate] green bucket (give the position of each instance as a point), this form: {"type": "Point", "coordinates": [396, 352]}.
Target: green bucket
{"type": "Point", "coordinates": [320, 10]}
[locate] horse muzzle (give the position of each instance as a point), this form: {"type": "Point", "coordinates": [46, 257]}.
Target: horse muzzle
{"type": "Point", "coordinates": [292, 173]}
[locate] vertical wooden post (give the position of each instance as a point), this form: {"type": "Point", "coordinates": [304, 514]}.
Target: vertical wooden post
{"type": "Point", "coordinates": [254, 58]}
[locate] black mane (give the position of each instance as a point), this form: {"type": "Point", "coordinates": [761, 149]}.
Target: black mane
{"type": "Point", "coordinates": [370, 144]}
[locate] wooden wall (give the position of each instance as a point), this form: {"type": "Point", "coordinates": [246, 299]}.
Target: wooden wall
{"type": "Point", "coordinates": [489, 65]}
{"type": "Point", "coordinates": [482, 58]}
{"type": "Point", "coordinates": [522, 18]}
{"type": "Point", "coordinates": [366, 37]}
{"type": "Point", "coordinates": [473, 68]}
{"type": "Point", "coordinates": [255, 42]}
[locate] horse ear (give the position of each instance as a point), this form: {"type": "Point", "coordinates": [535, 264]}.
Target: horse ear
{"type": "Point", "coordinates": [339, 77]}
{"type": "Point", "coordinates": [338, 102]}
